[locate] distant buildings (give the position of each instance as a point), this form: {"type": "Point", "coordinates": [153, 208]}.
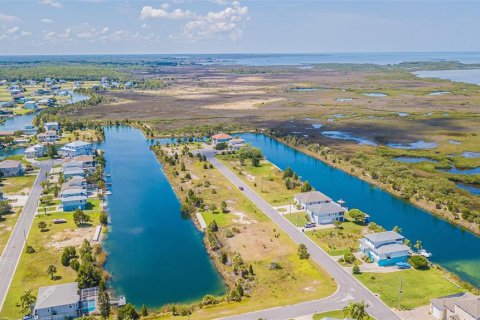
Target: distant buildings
{"type": "Point", "coordinates": [11, 168]}
{"type": "Point", "coordinates": [29, 130]}
{"type": "Point", "coordinates": [35, 151]}
{"type": "Point", "coordinates": [64, 301]}
{"type": "Point", "coordinates": [221, 137]}
{"type": "Point", "coordinates": [48, 136]}
{"type": "Point", "coordinates": [30, 105]}
{"type": "Point", "coordinates": [51, 126]}
{"type": "Point", "coordinates": [236, 143]}
{"type": "Point", "coordinates": [77, 148]}
{"type": "Point", "coordinates": [457, 307]}
{"type": "Point", "coordinates": [385, 248]}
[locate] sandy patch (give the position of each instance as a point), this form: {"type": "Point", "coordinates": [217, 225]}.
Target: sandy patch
{"type": "Point", "coordinates": [249, 177]}
{"type": "Point", "coordinates": [242, 218]}
{"type": "Point", "coordinates": [72, 237]}
{"type": "Point", "coordinates": [249, 104]}
{"type": "Point", "coordinates": [255, 242]}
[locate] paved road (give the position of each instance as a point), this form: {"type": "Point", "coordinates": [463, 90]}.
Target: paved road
{"type": "Point", "coordinates": [13, 250]}
{"type": "Point", "coordinates": [349, 288]}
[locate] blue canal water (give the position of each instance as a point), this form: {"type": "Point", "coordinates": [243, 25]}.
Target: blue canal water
{"type": "Point", "coordinates": [453, 248]}
{"type": "Point", "coordinates": [154, 255]}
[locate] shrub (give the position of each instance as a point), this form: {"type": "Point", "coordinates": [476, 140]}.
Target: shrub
{"type": "Point", "coordinates": [302, 252]}
{"type": "Point", "coordinates": [209, 300]}
{"type": "Point", "coordinates": [418, 262]}
{"type": "Point", "coordinates": [349, 257]}
{"type": "Point", "coordinates": [29, 249]}
{"type": "Point", "coordinates": [274, 266]}
{"type": "Point", "coordinates": [356, 269]}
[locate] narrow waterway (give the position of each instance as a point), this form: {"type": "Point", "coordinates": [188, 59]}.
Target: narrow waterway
{"type": "Point", "coordinates": [453, 248]}
{"type": "Point", "coordinates": [154, 255]}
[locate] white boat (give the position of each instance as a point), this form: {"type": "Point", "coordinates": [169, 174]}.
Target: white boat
{"type": "Point", "coordinates": [424, 253]}
{"type": "Point", "coordinates": [108, 193]}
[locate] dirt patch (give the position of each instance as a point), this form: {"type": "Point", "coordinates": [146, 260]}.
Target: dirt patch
{"type": "Point", "coordinates": [248, 104]}
{"type": "Point", "coordinates": [72, 237]}
{"type": "Point", "coordinates": [255, 242]}
{"type": "Point", "coordinates": [242, 218]}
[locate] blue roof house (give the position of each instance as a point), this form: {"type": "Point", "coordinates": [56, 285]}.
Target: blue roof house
{"type": "Point", "coordinates": [72, 172]}
{"type": "Point", "coordinates": [385, 248]}
{"type": "Point", "coordinates": [73, 203]}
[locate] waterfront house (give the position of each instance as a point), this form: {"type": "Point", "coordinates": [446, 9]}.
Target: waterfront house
{"type": "Point", "coordinates": [11, 168]}
{"type": "Point", "coordinates": [72, 165]}
{"type": "Point", "coordinates": [221, 137]}
{"type": "Point", "coordinates": [306, 199]}
{"type": "Point", "coordinates": [51, 125]}
{"type": "Point", "coordinates": [29, 130]}
{"type": "Point", "coordinates": [463, 306]}
{"type": "Point", "coordinates": [77, 148]}
{"type": "Point", "coordinates": [49, 136]}
{"type": "Point", "coordinates": [86, 162]}
{"type": "Point", "coordinates": [326, 212]}
{"type": "Point", "coordinates": [236, 143]}
{"type": "Point", "coordinates": [35, 151]}
{"type": "Point", "coordinates": [73, 172]}
{"type": "Point", "coordinates": [385, 248]}
{"type": "Point", "coordinates": [64, 301]}
{"type": "Point", "coordinates": [73, 192]}
{"type": "Point", "coordinates": [30, 105]}
{"type": "Point", "coordinates": [77, 181]}
{"type": "Point", "coordinates": [73, 203]}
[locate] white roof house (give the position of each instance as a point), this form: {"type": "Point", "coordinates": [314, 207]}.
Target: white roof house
{"type": "Point", "coordinates": [459, 306]}
{"type": "Point", "coordinates": [385, 248]}
{"type": "Point", "coordinates": [326, 212]}
{"type": "Point", "coordinates": [77, 148]}
{"type": "Point", "coordinates": [35, 151]}
{"type": "Point", "coordinates": [306, 199]}
{"type": "Point", "coordinates": [57, 302]}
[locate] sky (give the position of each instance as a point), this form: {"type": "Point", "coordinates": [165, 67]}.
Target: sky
{"type": "Point", "coordinates": [237, 26]}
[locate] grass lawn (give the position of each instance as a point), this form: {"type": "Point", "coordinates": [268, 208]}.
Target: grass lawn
{"type": "Point", "coordinates": [418, 286]}
{"type": "Point", "coordinates": [338, 241]}
{"type": "Point", "coordinates": [267, 179]}
{"type": "Point", "coordinates": [7, 222]}
{"type": "Point", "coordinates": [17, 185]}
{"type": "Point", "coordinates": [21, 111]}
{"type": "Point", "coordinates": [332, 314]}
{"type": "Point", "coordinates": [298, 218]}
{"type": "Point", "coordinates": [31, 271]}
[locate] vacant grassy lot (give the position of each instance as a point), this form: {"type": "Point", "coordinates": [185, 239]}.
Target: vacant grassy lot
{"type": "Point", "coordinates": [266, 179]}
{"type": "Point", "coordinates": [297, 218]}
{"type": "Point", "coordinates": [247, 231]}
{"type": "Point", "coordinates": [7, 222]}
{"type": "Point", "coordinates": [338, 241]}
{"type": "Point", "coordinates": [418, 286]}
{"type": "Point", "coordinates": [32, 270]}
{"type": "Point", "coordinates": [332, 314]}
{"type": "Point", "coordinates": [18, 185]}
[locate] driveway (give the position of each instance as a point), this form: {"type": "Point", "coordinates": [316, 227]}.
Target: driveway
{"type": "Point", "coordinates": [348, 287]}
{"type": "Point", "coordinates": [16, 242]}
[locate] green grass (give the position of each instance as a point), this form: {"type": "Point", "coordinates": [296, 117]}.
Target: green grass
{"type": "Point", "coordinates": [31, 271]}
{"type": "Point", "coordinates": [332, 314]}
{"type": "Point", "coordinates": [222, 219]}
{"type": "Point", "coordinates": [16, 185]}
{"type": "Point", "coordinates": [298, 218]}
{"type": "Point", "coordinates": [7, 222]}
{"type": "Point", "coordinates": [418, 286]}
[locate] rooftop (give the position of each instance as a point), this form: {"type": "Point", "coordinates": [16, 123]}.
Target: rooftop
{"type": "Point", "coordinates": [311, 196]}
{"type": "Point", "coordinates": [59, 295]}
{"type": "Point", "coordinates": [7, 164]}
{"type": "Point", "coordinates": [74, 198]}
{"type": "Point", "coordinates": [463, 300]}
{"type": "Point", "coordinates": [326, 208]}
{"type": "Point", "coordinates": [221, 136]}
{"type": "Point", "coordinates": [390, 248]}
{"type": "Point", "coordinates": [76, 144]}
{"type": "Point", "coordinates": [384, 236]}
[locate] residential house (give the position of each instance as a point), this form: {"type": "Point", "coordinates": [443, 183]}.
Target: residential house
{"type": "Point", "coordinates": [221, 137]}
{"type": "Point", "coordinates": [85, 162]}
{"type": "Point", "coordinates": [77, 148]}
{"type": "Point", "coordinates": [306, 199]}
{"type": "Point", "coordinates": [463, 306]}
{"type": "Point", "coordinates": [236, 143]}
{"type": "Point", "coordinates": [77, 181]}
{"type": "Point", "coordinates": [385, 248]}
{"type": "Point", "coordinates": [29, 130]}
{"type": "Point", "coordinates": [48, 136]}
{"type": "Point", "coordinates": [64, 301]}
{"type": "Point", "coordinates": [51, 126]}
{"type": "Point", "coordinates": [30, 105]}
{"type": "Point", "coordinates": [73, 172]}
{"type": "Point", "coordinates": [326, 212]}
{"type": "Point", "coordinates": [35, 151]}
{"type": "Point", "coordinates": [73, 192]}
{"type": "Point", "coordinates": [73, 203]}
{"type": "Point", "coordinates": [11, 168]}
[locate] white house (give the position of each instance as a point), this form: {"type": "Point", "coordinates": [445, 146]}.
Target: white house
{"type": "Point", "coordinates": [385, 248]}
{"type": "Point", "coordinates": [48, 136]}
{"type": "Point", "coordinates": [73, 172]}
{"type": "Point", "coordinates": [77, 148]}
{"type": "Point", "coordinates": [326, 212]}
{"type": "Point", "coordinates": [73, 192]}
{"type": "Point", "coordinates": [459, 306]}
{"type": "Point", "coordinates": [30, 105]}
{"type": "Point", "coordinates": [35, 151]}
{"type": "Point", "coordinates": [29, 130]}
{"type": "Point", "coordinates": [11, 168]}
{"type": "Point", "coordinates": [221, 137]}
{"type": "Point", "coordinates": [51, 126]}
{"type": "Point", "coordinates": [306, 199]}
{"type": "Point", "coordinates": [236, 143]}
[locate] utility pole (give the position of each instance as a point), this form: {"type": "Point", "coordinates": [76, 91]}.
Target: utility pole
{"type": "Point", "coordinates": [25, 237]}
{"type": "Point", "coordinates": [400, 291]}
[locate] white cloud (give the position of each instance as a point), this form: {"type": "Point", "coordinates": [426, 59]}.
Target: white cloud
{"type": "Point", "coordinates": [5, 18]}
{"type": "Point", "coordinates": [46, 20]}
{"type": "Point", "coordinates": [151, 13]}
{"type": "Point", "coordinates": [219, 2]}
{"type": "Point", "coordinates": [104, 30]}
{"type": "Point", "coordinates": [12, 30]}
{"type": "Point", "coordinates": [52, 3]}
{"type": "Point", "coordinates": [227, 22]}
{"type": "Point", "coordinates": [25, 34]}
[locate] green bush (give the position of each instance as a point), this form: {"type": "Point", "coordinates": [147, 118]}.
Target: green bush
{"type": "Point", "coordinates": [419, 262]}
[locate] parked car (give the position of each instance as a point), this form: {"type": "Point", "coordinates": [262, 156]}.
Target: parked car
{"type": "Point", "coordinates": [241, 188]}
{"type": "Point", "coordinates": [309, 225]}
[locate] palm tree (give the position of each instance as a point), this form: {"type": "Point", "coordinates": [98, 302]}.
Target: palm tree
{"type": "Point", "coordinates": [356, 310]}
{"type": "Point", "coordinates": [51, 270]}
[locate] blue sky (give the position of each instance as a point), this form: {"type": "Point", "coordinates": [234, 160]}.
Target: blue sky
{"type": "Point", "coordinates": [243, 26]}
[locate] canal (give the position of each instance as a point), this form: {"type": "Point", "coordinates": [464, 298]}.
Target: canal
{"type": "Point", "coordinates": [453, 248]}
{"type": "Point", "coordinates": [155, 255]}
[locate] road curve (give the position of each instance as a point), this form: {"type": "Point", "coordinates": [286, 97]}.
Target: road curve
{"type": "Point", "coordinates": [13, 250]}
{"type": "Point", "coordinates": [349, 288]}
